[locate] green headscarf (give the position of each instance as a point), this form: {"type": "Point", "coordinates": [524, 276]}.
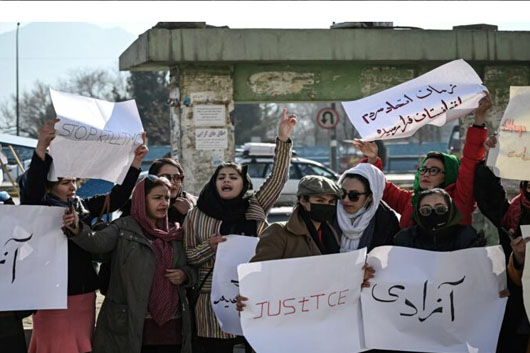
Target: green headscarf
{"type": "Point", "coordinates": [451, 165]}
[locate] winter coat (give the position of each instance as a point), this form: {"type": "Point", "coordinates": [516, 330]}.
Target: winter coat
{"type": "Point", "coordinates": [463, 237]}
{"type": "Point", "coordinates": [461, 192]}
{"type": "Point", "coordinates": [82, 277]}
{"type": "Point", "coordinates": [385, 225]}
{"type": "Point", "coordinates": [121, 319]}
{"type": "Point", "coordinates": [285, 240]}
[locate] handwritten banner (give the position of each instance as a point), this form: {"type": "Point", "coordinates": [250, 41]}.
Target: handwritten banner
{"type": "Point", "coordinates": [95, 138]}
{"type": "Point", "coordinates": [234, 251]}
{"type": "Point", "coordinates": [510, 159]}
{"type": "Point", "coordinates": [33, 258]}
{"type": "Point", "coordinates": [446, 93]}
{"type": "Point", "coordinates": [308, 304]}
{"type": "Point", "coordinates": [434, 301]}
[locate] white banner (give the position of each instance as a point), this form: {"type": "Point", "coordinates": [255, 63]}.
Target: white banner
{"type": "Point", "coordinates": [309, 304]}
{"type": "Point", "coordinates": [95, 138]}
{"type": "Point", "coordinates": [33, 258]}
{"type": "Point", "coordinates": [428, 301]}
{"type": "Point", "coordinates": [446, 93]}
{"type": "Point", "coordinates": [236, 250]}
{"type": "Point", "coordinates": [510, 159]}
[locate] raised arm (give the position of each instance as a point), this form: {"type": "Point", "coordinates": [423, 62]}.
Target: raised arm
{"type": "Point", "coordinates": [273, 185]}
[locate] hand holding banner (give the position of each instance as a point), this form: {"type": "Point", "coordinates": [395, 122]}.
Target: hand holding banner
{"type": "Point", "coordinates": [95, 138]}
{"type": "Point", "coordinates": [444, 94]}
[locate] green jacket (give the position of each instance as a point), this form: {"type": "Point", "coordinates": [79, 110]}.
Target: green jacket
{"type": "Point", "coordinates": [121, 319]}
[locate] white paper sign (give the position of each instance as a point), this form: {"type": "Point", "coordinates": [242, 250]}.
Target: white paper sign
{"type": "Point", "coordinates": [95, 138]}
{"type": "Point", "coordinates": [444, 94]}
{"type": "Point", "coordinates": [234, 251]}
{"type": "Point", "coordinates": [33, 258]}
{"type": "Point", "coordinates": [308, 304]}
{"type": "Point", "coordinates": [211, 139]}
{"type": "Point", "coordinates": [526, 281]}
{"type": "Point", "coordinates": [209, 115]}
{"type": "Point", "coordinates": [525, 231]}
{"type": "Point", "coordinates": [510, 159]}
{"type": "Point", "coordinates": [426, 301]}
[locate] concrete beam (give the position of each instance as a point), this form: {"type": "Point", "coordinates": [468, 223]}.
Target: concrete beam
{"type": "Point", "coordinates": [160, 49]}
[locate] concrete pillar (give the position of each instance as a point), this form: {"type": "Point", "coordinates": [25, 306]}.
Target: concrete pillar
{"type": "Point", "coordinates": [202, 134]}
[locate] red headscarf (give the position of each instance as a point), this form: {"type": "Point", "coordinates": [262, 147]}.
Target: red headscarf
{"type": "Point", "coordinates": [164, 298]}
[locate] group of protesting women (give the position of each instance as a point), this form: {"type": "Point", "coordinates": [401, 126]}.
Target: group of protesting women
{"type": "Point", "coordinates": [163, 247]}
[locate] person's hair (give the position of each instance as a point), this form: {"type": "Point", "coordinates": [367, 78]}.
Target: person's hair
{"type": "Point", "coordinates": [155, 167]}
{"type": "Point", "coordinates": [51, 184]}
{"type": "Point", "coordinates": [236, 166]}
{"type": "Point", "coordinates": [152, 181]}
{"type": "Point", "coordinates": [435, 191]}
{"type": "Point", "coordinates": [436, 155]}
{"type": "Point", "coordinates": [363, 180]}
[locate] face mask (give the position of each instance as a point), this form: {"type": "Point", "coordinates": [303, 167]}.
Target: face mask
{"type": "Point", "coordinates": [322, 212]}
{"type": "Point", "coordinates": [434, 221]}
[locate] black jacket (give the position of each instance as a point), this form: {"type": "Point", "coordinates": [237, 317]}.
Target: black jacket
{"type": "Point", "coordinates": [82, 277]}
{"type": "Point", "coordinates": [385, 225]}
{"type": "Point", "coordinates": [462, 237]}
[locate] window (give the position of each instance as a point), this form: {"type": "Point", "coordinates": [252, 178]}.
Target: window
{"type": "Point", "coordinates": [309, 169]}
{"type": "Point", "coordinates": [257, 170]}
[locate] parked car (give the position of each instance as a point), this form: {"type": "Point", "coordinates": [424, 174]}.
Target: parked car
{"type": "Point", "coordinates": [258, 157]}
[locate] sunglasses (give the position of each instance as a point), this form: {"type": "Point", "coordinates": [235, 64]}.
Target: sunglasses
{"type": "Point", "coordinates": [438, 209]}
{"type": "Point", "coordinates": [352, 195]}
{"type": "Point", "coordinates": [173, 177]}
{"type": "Point", "coordinates": [432, 171]}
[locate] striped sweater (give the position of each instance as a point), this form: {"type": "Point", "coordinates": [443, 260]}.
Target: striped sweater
{"type": "Point", "coordinates": [199, 227]}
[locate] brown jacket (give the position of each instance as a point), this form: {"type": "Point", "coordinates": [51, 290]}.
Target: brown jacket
{"type": "Point", "coordinates": [285, 240]}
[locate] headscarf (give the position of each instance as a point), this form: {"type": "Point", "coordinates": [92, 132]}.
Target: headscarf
{"type": "Point", "coordinates": [164, 298]}
{"type": "Point", "coordinates": [354, 225]}
{"type": "Point", "coordinates": [512, 217]}
{"type": "Point", "coordinates": [444, 231]}
{"type": "Point", "coordinates": [451, 165]}
{"type": "Point", "coordinates": [233, 210]}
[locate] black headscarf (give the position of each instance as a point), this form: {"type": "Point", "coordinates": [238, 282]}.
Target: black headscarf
{"type": "Point", "coordinates": [231, 212]}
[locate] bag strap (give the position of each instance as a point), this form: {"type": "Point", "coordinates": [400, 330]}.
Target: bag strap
{"type": "Point", "coordinates": [204, 280]}
{"type": "Point", "coordinates": [105, 210]}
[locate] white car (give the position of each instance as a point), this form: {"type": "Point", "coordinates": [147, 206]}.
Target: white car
{"type": "Point", "coordinates": [258, 157]}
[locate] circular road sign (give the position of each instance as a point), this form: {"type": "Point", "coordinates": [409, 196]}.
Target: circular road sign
{"type": "Point", "coordinates": [327, 118]}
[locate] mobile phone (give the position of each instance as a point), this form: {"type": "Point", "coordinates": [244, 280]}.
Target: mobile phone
{"type": "Point", "coordinates": [70, 203]}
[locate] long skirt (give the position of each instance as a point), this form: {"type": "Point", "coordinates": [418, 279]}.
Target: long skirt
{"type": "Point", "coordinates": [65, 330]}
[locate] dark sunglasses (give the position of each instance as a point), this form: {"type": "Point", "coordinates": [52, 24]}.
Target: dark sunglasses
{"type": "Point", "coordinates": [173, 177]}
{"type": "Point", "coordinates": [432, 171]}
{"type": "Point", "coordinates": [352, 195]}
{"type": "Point", "coordinates": [438, 209]}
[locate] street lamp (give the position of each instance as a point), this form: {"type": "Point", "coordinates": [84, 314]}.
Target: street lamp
{"type": "Point", "coordinates": [18, 112]}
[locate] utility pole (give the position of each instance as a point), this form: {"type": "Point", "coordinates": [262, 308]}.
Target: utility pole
{"type": "Point", "coordinates": [18, 110]}
{"type": "Point", "coordinates": [333, 146]}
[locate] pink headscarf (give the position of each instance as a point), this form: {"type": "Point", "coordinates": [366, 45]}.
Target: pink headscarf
{"type": "Point", "coordinates": [164, 298]}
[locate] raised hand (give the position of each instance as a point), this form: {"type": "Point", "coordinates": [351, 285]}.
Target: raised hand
{"type": "Point", "coordinates": [368, 148]}
{"type": "Point", "coordinates": [483, 105]}
{"type": "Point", "coordinates": [46, 135]}
{"type": "Point", "coordinates": [287, 123]}
{"type": "Point", "coordinates": [140, 152]}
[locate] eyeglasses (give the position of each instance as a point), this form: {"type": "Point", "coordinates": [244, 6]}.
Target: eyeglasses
{"type": "Point", "coordinates": [352, 195]}
{"type": "Point", "coordinates": [173, 177]}
{"type": "Point", "coordinates": [431, 170]}
{"type": "Point", "coordinates": [153, 178]}
{"type": "Point", "coordinates": [438, 209]}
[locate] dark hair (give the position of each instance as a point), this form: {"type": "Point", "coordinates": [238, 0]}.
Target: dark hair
{"type": "Point", "coordinates": [240, 169]}
{"type": "Point", "coordinates": [159, 163]}
{"type": "Point", "coordinates": [363, 181]}
{"type": "Point", "coordinates": [435, 191]}
{"type": "Point", "coordinates": [152, 181]}
{"type": "Point", "coordinates": [436, 155]}
{"type": "Point", "coordinates": [51, 184]}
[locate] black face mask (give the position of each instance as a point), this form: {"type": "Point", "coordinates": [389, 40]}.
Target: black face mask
{"type": "Point", "coordinates": [322, 212]}
{"type": "Point", "coordinates": [434, 221]}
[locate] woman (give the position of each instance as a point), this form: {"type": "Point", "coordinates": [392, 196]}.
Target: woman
{"type": "Point", "coordinates": [438, 225]}
{"type": "Point", "coordinates": [145, 309]}
{"type": "Point", "coordinates": [224, 208]}
{"type": "Point", "coordinates": [181, 201]}
{"type": "Point", "coordinates": [439, 170]}
{"type": "Point", "coordinates": [363, 219]}
{"type": "Point", "coordinates": [70, 330]}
